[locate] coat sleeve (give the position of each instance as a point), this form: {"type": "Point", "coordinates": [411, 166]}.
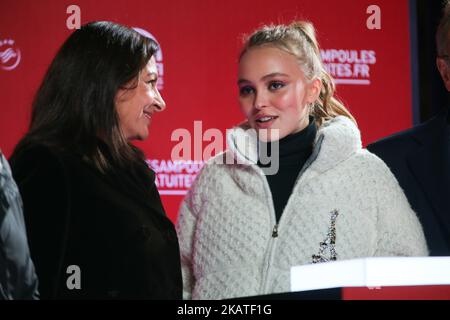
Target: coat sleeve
{"type": "Point", "coordinates": [186, 228]}
{"type": "Point", "coordinates": [399, 230]}
{"type": "Point", "coordinates": [18, 279]}
{"type": "Point", "coordinates": [42, 183]}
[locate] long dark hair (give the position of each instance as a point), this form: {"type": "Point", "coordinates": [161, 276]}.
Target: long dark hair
{"type": "Point", "coordinates": [74, 108]}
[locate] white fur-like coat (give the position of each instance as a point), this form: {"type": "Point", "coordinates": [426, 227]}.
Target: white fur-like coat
{"type": "Point", "coordinates": [226, 222]}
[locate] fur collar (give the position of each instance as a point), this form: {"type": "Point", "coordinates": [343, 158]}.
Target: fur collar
{"type": "Point", "coordinates": [336, 140]}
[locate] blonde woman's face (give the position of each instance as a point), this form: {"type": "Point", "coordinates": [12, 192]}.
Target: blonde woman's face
{"type": "Point", "coordinates": [273, 91]}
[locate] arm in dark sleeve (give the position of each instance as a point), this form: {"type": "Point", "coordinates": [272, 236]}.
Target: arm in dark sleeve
{"type": "Point", "coordinates": [40, 177]}
{"type": "Point", "coordinates": [18, 278]}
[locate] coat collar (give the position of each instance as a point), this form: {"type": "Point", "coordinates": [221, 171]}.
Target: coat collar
{"type": "Point", "coordinates": [336, 139]}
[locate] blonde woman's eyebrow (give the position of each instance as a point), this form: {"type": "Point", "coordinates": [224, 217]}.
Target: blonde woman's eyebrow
{"type": "Point", "coordinates": [267, 76]}
{"type": "Point", "coordinates": [274, 74]}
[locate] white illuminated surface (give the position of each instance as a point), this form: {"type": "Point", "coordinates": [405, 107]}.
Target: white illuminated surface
{"type": "Point", "coordinates": [372, 272]}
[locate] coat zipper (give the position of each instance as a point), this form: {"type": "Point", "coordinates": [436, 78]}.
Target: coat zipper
{"type": "Point", "coordinates": [274, 232]}
{"type": "Point", "coordinates": [275, 229]}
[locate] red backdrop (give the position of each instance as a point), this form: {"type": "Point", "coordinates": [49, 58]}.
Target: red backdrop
{"type": "Point", "coordinates": [200, 41]}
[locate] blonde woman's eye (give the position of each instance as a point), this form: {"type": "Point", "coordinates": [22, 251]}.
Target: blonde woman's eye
{"type": "Point", "coordinates": [246, 90]}
{"type": "Point", "coordinates": [276, 85]}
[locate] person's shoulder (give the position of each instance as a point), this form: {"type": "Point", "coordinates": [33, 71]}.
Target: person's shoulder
{"type": "Point", "coordinates": [405, 139]}
{"type": "Point", "coordinates": [219, 162]}
{"type": "Point", "coordinates": [35, 158]}
{"type": "Point", "coordinates": [212, 167]}
{"type": "Point", "coordinates": [215, 170]}
{"type": "Point", "coordinates": [372, 167]}
{"type": "Point", "coordinates": [396, 140]}
{"type": "Point", "coordinates": [33, 152]}
{"type": "Point", "coordinates": [368, 160]}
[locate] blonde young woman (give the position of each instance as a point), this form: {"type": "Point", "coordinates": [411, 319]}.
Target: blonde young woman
{"type": "Point", "coordinates": [241, 230]}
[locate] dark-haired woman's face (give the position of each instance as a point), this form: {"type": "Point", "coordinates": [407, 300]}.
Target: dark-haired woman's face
{"type": "Point", "coordinates": [136, 106]}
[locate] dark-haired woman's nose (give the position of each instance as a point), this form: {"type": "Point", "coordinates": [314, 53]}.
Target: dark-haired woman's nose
{"type": "Point", "coordinates": [159, 103]}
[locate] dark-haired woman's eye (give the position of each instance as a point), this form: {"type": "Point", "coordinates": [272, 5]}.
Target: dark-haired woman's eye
{"type": "Point", "coordinates": [152, 82]}
{"type": "Point", "coordinates": [275, 85]}
{"type": "Point", "coordinates": [246, 90]}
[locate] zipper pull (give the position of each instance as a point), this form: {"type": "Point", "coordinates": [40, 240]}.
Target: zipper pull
{"type": "Point", "coordinates": [275, 231]}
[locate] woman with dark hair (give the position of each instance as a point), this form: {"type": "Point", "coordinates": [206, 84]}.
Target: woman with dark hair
{"type": "Point", "coordinates": [95, 221]}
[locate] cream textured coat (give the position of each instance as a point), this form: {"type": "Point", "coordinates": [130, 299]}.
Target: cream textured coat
{"type": "Point", "coordinates": [226, 222]}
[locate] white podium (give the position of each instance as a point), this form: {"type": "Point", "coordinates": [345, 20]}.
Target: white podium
{"type": "Point", "coordinates": [372, 273]}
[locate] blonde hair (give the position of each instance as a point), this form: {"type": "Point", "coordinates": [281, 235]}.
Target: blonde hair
{"type": "Point", "coordinates": [443, 30]}
{"type": "Point", "coordinates": [299, 40]}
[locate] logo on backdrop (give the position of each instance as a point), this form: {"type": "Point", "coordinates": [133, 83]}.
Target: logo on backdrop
{"type": "Point", "coordinates": [158, 57]}
{"type": "Point", "coordinates": [193, 148]}
{"type": "Point", "coordinates": [174, 177]}
{"type": "Point", "coordinates": [9, 54]}
{"type": "Point", "coordinates": [349, 66]}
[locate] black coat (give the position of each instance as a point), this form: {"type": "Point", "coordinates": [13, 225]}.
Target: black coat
{"type": "Point", "coordinates": [113, 227]}
{"type": "Point", "coordinates": [419, 158]}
